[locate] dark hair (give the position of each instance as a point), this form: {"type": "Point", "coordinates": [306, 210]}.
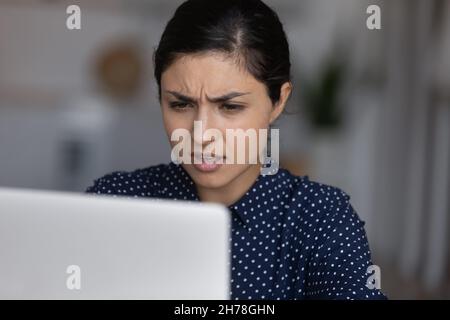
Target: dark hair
{"type": "Point", "coordinates": [247, 29]}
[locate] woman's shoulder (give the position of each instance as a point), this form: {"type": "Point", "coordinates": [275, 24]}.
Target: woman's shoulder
{"type": "Point", "coordinates": [310, 191]}
{"type": "Point", "coordinates": [319, 203]}
{"type": "Point", "coordinates": [138, 182]}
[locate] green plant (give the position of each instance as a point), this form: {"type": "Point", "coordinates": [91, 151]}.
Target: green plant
{"type": "Point", "coordinates": [322, 96]}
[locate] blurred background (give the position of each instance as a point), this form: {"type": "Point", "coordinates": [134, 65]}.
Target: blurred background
{"type": "Point", "coordinates": [370, 111]}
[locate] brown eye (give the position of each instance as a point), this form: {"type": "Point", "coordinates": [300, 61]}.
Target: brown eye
{"type": "Point", "coordinates": [179, 105]}
{"type": "Point", "coordinates": [231, 107]}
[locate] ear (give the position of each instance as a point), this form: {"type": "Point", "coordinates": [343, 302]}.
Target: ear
{"type": "Point", "coordinates": [285, 92]}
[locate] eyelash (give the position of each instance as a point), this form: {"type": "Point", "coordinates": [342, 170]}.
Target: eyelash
{"type": "Point", "coordinates": [178, 105]}
{"type": "Point", "coordinates": [229, 107]}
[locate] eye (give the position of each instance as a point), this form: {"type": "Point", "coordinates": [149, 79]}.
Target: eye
{"type": "Point", "coordinates": [231, 107]}
{"type": "Point", "coordinates": [178, 105]}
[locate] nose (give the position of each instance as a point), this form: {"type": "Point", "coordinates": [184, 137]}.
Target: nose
{"type": "Point", "coordinates": [202, 122]}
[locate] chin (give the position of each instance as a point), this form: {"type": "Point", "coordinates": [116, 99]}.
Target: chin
{"type": "Point", "coordinates": [216, 179]}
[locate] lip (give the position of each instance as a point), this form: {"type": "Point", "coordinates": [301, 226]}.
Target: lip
{"type": "Point", "coordinates": [209, 165]}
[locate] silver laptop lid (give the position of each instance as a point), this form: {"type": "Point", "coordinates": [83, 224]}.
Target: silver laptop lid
{"type": "Point", "coordinates": [56, 245]}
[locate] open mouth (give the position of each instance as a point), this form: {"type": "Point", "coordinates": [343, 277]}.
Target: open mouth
{"type": "Point", "coordinates": [208, 158]}
{"type": "Point", "coordinates": [207, 163]}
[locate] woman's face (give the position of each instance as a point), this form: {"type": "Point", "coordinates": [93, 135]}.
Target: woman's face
{"type": "Point", "coordinates": [214, 89]}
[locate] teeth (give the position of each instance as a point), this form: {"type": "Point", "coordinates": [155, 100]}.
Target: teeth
{"type": "Point", "coordinates": [207, 157]}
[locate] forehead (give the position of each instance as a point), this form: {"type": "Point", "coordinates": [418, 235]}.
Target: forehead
{"type": "Point", "coordinates": [209, 73]}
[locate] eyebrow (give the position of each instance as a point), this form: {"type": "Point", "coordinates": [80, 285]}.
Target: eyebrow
{"type": "Point", "coordinates": [220, 99]}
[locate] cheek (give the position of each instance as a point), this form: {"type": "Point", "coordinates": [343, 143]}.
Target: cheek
{"type": "Point", "coordinates": [257, 118]}
{"type": "Point", "coordinates": [173, 121]}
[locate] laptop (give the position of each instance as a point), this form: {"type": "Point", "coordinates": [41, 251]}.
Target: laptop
{"type": "Point", "coordinates": [57, 245]}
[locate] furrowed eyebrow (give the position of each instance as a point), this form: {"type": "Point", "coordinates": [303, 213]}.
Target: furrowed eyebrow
{"type": "Point", "coordinates": [220, 99]}
{"type": "Point", "coordinates": [182, 97]}
{"type": "Point", "coordinates": [227, 97]}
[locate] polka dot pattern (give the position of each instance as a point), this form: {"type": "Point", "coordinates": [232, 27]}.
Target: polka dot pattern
{"type": "Point", "coordinates": [290, 238]}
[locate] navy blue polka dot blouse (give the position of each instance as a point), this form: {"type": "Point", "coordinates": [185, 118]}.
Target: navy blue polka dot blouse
{"type": "Point", "coordinates": [291, 238]}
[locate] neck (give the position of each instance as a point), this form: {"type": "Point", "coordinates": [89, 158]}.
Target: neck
{"type": "Point", "coordinates": [233, 191]}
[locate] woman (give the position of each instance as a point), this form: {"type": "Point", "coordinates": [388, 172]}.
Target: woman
{"type": "Point", "coordinates": [226, 65]}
